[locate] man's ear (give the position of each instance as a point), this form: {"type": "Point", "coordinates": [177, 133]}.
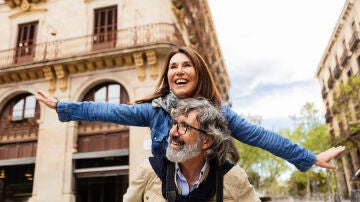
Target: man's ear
{"type": "Point", "coordinates": [206, 143]}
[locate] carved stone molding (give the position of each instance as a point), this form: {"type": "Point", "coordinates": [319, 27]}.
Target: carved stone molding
{"type": "Point", "coordinates": [62, 75]}
{"type": "Point", "coordinates": [119, 61]}
{"type": "Point", "coordinates": [24, 5]}
{"type": "Point", "coordinates": [90, 66]}
{"type": "Point", "coordinates": [128, 60]}
{"type": "Point", "coordinates": [139, 63]}
{"type": "Point", "coordinates": [6, 78]}
{"type": "Point", "coordinates": [50, 76]}
{"type": "Point", "coordinates": [152, 61]}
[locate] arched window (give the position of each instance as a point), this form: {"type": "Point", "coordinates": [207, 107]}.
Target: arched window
{"type": "Point", "coordinates": [108, 92]}
{"type": "Point", "coordinates": [100, 136]}
{"type": "Point", "coordinates": [19, 127]}
{"type": "Point", "coordinates": [24, 108]}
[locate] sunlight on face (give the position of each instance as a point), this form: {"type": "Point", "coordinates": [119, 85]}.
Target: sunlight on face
{"type": "Point", "coordinates": [182, 76]}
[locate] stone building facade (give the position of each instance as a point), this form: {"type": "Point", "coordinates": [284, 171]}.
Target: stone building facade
{"type": "Point", "coordinates": [77, 50]}
{"type": "Point", "coordinates": [338, 70]}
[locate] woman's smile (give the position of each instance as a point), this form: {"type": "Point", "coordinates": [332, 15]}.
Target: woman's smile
{"type": "Point", "coordinates": [182, 76]}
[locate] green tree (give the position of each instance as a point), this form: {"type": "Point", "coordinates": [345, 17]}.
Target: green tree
{"type": "Point", "coordinates": [310, 130]}
{"type": "Point", "coordinates": [262, 167]}
{"type": "Point", "coordinates": [265, 170]}
{"type": "Point", "coordinates": [347, 93]}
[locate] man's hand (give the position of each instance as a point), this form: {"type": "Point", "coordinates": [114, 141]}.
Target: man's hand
{"type": "Point", "coordinates": [46, 99]}
{"type": "Point", "coordinates": [323, 159]}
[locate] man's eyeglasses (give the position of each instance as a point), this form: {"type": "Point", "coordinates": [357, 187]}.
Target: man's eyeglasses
{"type": "Point", "coordinates": [182, 127]}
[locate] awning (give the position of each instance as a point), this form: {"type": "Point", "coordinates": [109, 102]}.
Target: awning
{"type": "Point", "coordinates": [101, 154]}
{"type": "Point", "coordinates": [20, 161]}
{"type": "Point", "coordinates": [102, 171]}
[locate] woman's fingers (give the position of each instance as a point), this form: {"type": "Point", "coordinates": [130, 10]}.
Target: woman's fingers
{"type": "Point", "coordinates": [46, 99]}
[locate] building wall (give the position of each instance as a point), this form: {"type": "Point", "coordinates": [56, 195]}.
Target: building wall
{"type": "Point", "coordinates": [64, 66]}
{"type": "Point", "coordinates": [339, 63]}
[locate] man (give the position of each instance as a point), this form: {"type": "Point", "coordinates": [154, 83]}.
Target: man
{"type": "Point", "coordinates": [195, 167]}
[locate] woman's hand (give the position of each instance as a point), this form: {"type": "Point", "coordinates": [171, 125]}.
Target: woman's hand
{"type": "Point", "coordinates": [46, 99]}
{"type": "Point", "coordinates": [323, 159]}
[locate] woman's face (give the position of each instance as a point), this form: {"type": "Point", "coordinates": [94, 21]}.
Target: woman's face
{"type": "Point", "coordinates": [181, 76]}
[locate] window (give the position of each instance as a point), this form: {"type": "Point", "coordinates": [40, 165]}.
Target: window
{"type": "Point", "coordinates": [108, 92]}
{"type": "Point", "coordinates": [26, 40]}
{"type": "Point", "coordinates": [353, 26]}
{"type": "Point", "coordinates": [105, 27]}
{"type": "Point", "coordinates": [24, 108]}
{"type": "Point", "coordinates": [344, 45]}
{"type": "Point", "coordinates": [19, 127]}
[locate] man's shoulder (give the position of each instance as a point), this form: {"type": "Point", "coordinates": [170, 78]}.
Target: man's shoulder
{"type": "Point", "coordinates": [236, 172]}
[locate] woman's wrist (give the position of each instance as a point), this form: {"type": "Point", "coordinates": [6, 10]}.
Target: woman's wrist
{"type": "Point", "coordinates": [56, 103]}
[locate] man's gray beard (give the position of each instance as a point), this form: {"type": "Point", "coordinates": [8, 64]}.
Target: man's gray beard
{"type": "Point", "coordinates": [185, 153]}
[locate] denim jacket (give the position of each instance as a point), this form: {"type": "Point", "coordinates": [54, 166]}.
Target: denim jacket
{"type": "Point", "coordinates": [158, 120]}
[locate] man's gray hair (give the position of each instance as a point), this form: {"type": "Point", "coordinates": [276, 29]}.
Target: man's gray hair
{"type": "Point", "coordinates": [213, 124]}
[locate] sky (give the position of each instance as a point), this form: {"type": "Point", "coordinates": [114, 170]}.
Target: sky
{"type": "Point", "coordinates": [271, 50]}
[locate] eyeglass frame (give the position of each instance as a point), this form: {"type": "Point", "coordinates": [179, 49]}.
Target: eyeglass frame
{"type": "Point", "coordinates": [186, 125]}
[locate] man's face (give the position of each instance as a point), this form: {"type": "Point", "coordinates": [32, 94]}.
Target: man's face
{"type": "Point", "coordinates": [184, 146]}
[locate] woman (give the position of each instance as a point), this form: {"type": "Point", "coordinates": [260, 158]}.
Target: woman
{"type": "Point", "coordinates": [184, 75]}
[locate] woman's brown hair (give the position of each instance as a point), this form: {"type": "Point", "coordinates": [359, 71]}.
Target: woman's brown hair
{"type": "Point", "coordinates": [206, 86]}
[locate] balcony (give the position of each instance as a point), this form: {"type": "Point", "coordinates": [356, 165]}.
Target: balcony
{"type": "Point", "coordinates": [355, 39]}
{"type": "Point", "coordinates": [334, 110]}
{"type": "Point", "coordinates": [354, 130]}
{"type": "Point", "coordinates": [344, 57]}
{"type": "Point", "coordinates": [337, 71]}
{"type": "Point", "coordinates": [328, 116]}
{"type": "Point", "coordinates": [330, 83]}
{"type": "Point", "coordinates": [342, 130]}
{"type": "Point", "coordinates": [92, 44]}
{"type": "Point", "coordinates": [324, 92]}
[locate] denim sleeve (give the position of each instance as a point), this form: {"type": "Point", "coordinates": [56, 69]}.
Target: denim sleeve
{"type": "Point", "coordinates": [276, 144]}
{"type": "Point", "coordinates": [134, 115]}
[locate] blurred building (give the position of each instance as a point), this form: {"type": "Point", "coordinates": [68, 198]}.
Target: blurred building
{"type": "Point", "coordinates": [102, 50]}
{"type": "Point", "coordinates": [338, 73]}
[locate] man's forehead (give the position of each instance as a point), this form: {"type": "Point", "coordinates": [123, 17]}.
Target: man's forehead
{"type": "Point", "coordinates": [191, 114]}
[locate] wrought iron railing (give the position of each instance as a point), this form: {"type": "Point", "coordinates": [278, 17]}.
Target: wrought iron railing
{"type": "Point", "coordinates": [78, 46]}
{"type": "Point", "coordinates": [354, 41]}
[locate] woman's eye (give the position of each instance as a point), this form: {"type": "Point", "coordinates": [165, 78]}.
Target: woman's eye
{"type": "Point", "coordinates": [172, 67]}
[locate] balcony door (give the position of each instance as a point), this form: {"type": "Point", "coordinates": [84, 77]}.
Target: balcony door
{"type": "Point", "coordinates": [26, 41]}
{"type": "Point", "coordinates": [105, 28]}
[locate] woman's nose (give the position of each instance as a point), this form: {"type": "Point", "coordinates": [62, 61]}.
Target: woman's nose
{"type": "Point", "coordinates": [180, 70]}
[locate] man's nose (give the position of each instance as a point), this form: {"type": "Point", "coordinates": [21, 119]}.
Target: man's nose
{"type": "Point", "coordinates": [173, 131]}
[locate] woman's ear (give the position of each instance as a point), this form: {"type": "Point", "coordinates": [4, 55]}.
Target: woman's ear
{"type": "Point", "coordinates": [206, 143]}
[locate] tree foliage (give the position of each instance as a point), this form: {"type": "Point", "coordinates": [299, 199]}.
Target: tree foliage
{"type": "Point", "coordinates": [311, 132]}
{"type": "Point", "coordinates": [265, 170]}
{"type": "Point", "coordinates": [348, 92]}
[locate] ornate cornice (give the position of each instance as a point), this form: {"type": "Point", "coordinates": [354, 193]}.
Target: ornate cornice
{"type": "Point", "coordinates": [24, 6]}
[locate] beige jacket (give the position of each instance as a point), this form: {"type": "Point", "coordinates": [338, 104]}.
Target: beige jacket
{"type": "Point", "coordinates": [146, 186]}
